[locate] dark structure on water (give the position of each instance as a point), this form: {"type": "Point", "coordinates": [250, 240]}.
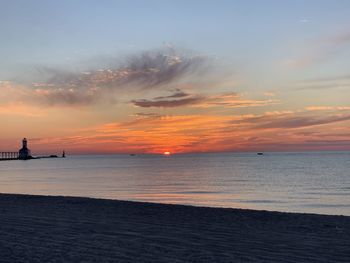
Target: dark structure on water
{"type": "Point", "coordinates": [24, 152]}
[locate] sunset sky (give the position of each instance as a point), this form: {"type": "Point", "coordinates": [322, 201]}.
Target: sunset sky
{"type": "Point", "coordinates": [179, 76]}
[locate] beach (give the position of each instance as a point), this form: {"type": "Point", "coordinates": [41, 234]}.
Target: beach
{"type": "Point", "coordinates": [72, 229]}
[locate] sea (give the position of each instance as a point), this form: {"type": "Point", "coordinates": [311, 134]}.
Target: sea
{"type": "Point", "coordinates": [306, 182]}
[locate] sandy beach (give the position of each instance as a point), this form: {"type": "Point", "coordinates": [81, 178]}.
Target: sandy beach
{"type": "Point", "coordinates": [69, 229]}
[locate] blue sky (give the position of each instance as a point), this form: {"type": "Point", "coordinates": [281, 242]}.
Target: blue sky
{"type": "Point", "coordinates": [53, 32]}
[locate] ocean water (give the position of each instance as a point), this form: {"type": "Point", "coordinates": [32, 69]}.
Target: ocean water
{"type": "Point", "coordinates": [311, 182]}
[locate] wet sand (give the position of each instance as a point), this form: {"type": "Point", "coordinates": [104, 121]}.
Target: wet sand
{"type": "Point", "coordinates": [67, 229]}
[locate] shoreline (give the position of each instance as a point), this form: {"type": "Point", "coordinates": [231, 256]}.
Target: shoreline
{"type": "Point", "coordinates": [167, 204]}
{"type": "Point", "coordinates": [73, 229]}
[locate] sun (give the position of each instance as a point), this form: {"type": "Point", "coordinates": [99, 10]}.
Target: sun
{"type": "Point", "coordinates": [167, 153]}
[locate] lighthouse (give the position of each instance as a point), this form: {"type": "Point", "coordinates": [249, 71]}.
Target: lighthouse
{"type": "Point", "coordinates": [24, 152]}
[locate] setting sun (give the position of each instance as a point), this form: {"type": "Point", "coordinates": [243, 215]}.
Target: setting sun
{"type": "Point", "coordinates": [166, 153]}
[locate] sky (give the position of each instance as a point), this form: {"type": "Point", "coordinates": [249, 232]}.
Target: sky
{"type": "Point", "coordinates": [179, 76]}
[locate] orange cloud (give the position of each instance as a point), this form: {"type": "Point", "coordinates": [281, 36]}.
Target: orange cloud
{"type": "Point", "coordinates": [277, 131]}
{"type": "Point", "coordinates": [327, 108]}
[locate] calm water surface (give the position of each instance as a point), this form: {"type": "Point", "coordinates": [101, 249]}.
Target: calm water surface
{"type": "Point", "coordinates": [317, 182]}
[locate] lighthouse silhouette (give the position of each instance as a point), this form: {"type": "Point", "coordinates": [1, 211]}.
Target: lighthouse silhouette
{"type": "Point", "coordinates": [24, 152]}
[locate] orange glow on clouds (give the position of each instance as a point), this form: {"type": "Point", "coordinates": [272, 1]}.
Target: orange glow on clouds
{"type": "Point", "coordinates": [276, 131]}
{"type": "Point", "coordinates": [222, 122]}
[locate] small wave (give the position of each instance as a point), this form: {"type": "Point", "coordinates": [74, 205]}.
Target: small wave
{"type": "Point", "coordinates": [325, 205]}
{"type": "Point", "coordinates": [198, 192]}
{"type": "Point", "coordinates": [263, 201]}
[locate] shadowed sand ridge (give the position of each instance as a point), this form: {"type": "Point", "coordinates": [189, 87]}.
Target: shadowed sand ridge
{"type": "Point", "coordinates": [67, 229]}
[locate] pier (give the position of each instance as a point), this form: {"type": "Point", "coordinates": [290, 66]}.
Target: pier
{"type": "Point", "coordinates": [9, 155]}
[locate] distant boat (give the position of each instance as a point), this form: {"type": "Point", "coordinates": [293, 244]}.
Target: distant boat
{"type": "Point", "coordinates": [132, 154]}
{"type": "Point", "coordinates": [260, 153]}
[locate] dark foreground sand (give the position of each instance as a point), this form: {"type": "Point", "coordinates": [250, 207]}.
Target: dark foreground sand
{"type": "Point", "coordinates": [62, 229]}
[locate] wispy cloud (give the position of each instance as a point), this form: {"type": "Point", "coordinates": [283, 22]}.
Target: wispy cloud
{"type": "Point", "coordinates": [304, 20]}
{"type": "Point", "coordinates": [149, 70]}
{"type": "Point", "coordinates": [144, 71]}
{"type": "Point", "coordinates": [327, 108]}
{"type": "Point", "coordinates": [302, 121]}
{"type": "Point", "coordinates": [65, 96]}
{"type": "Point", "coordinates": [321, 49]}
{"type": "Point", "coordinates": [325, 83]}
{"type": "Point", "coordinates": [234, 100]}
{"type": "Point", "coordinates": [167, 103]}
{"type": "Point", "coordinates": [270, 94]}
{"type": "Point", "coordinates": [180, 98]}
